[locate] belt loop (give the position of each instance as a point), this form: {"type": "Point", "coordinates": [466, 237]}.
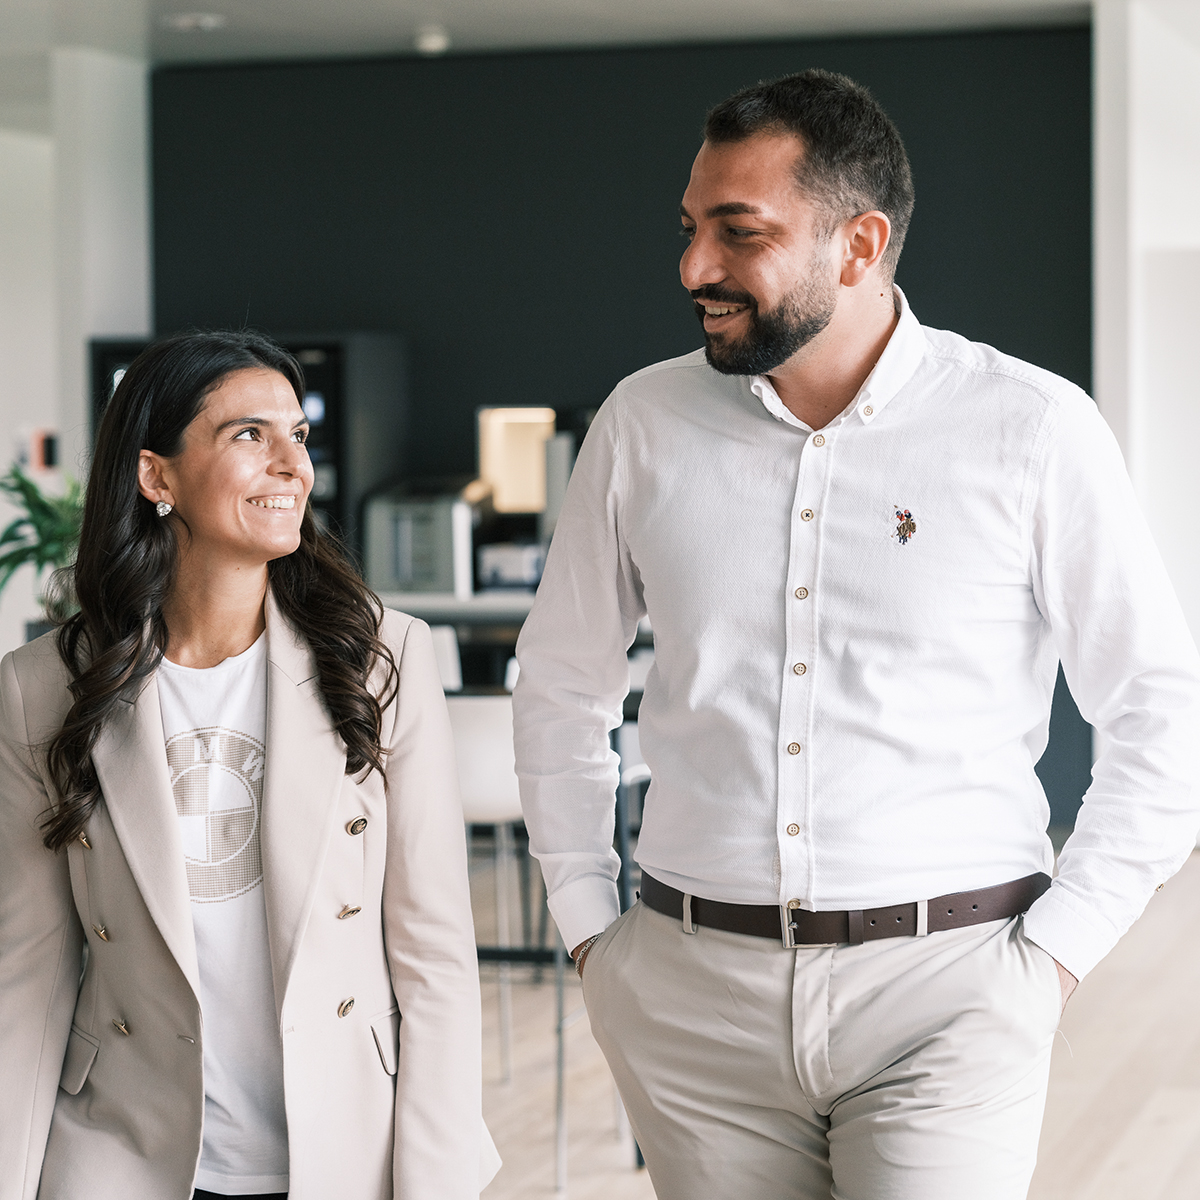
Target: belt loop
{"type": "Point", "coordinates": [688, 927]}
{"type": "Point", "coordinates": [855, 924]}
{"type": "Point", "coordinates": [922, 918]}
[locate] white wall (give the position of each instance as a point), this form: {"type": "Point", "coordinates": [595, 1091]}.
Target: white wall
{"type": "Point", "coordinates": [100, 106]}
{"type": "Point", "coordinates": [1147, 111]}
{"type": "Point", "coordinates": [74, 262]}
{"type": "Point", "coordinates": [28, 349]}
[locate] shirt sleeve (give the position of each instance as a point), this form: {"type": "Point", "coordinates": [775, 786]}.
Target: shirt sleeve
{"type": "Point", "coordinates": [1133, 669]}
{"type": "Point", "coordinates": [572, 685]}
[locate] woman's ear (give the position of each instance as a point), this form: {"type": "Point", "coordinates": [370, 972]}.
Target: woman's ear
{"type": "Point", "coordinates": [152, 481]}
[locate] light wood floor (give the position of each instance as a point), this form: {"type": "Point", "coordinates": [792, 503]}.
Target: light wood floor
{"type": "Point", "coordinates": [1122, 1117]}
{"type": "Point", "coordinates": [1123, 1113]}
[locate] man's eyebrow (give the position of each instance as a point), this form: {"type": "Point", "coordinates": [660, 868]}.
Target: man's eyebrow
{"type": "Point", "coordinates": [731, 208]}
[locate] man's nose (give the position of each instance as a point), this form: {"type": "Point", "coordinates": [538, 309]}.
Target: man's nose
{"type": "Point", "coordinates": [700, 264]}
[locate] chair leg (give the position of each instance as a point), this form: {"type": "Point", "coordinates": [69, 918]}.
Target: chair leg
{"type": "Point", "coordinates": [503, 938]}
{"type": "Point", "coordinates": [524, 876]}
{"type": "Point", "coordinates": [560, 1108]}
{"type": "Point", "coordinates": [543, 924]}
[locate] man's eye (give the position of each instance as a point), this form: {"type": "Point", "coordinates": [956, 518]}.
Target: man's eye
{"type": "Point", "coordinates": [740, 233]}
{"type": "Point", "coordinates": [301, 435]}
{"type": "Point", "coordinates": [248, 435]}
{"type": "Point", "coordinates": [687, 232]}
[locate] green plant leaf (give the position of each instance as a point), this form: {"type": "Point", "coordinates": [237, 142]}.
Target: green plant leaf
{"type": "Point", "coordinates": [47, 532]}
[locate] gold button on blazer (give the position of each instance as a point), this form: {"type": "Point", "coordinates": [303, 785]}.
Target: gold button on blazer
{"type": "Point", "coordinates": [103, 1085]}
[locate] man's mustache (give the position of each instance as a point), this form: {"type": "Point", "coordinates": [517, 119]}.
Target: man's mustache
{"type": "Point", "coordinates": [715, 294]}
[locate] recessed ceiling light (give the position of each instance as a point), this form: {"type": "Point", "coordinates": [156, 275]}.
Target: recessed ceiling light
{"type": "Point", "coordinates": [193, 22]}
{"type": "Point", "coordinates": [432, 39]}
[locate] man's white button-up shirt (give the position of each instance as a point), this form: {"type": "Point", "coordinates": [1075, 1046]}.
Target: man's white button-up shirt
{"type": "Point", "coordinates": [857, 633]}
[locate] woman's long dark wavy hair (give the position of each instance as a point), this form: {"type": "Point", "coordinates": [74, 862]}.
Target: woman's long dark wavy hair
{"type": "Point", "coordinates": [126, 567]}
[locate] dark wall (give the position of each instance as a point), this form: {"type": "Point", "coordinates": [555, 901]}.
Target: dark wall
{"type": "Point", "coordinates": [516, 215]}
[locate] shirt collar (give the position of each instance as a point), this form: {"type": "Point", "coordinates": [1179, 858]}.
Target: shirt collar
{"type": "Point", "coordinates": [896, 366]}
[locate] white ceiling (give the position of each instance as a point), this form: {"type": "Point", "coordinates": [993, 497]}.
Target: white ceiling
{"type": "Point", "coordinates": [270, 29]}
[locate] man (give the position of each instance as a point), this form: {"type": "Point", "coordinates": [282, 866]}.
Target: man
{"type": "Point", "coordinates": [864, 546]}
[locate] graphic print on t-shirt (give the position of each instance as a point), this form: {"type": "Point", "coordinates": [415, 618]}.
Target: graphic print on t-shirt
{"type": "Point", "coordinates": [217, 779]}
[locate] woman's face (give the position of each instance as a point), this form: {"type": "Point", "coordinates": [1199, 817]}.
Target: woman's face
{"type": "Point", "coordinates": [242, 478]}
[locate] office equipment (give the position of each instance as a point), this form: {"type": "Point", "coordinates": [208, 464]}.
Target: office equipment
{"type": "Point", "coordinates": [510, 565]}
{"type": "Point", "coordinates": [356, 400]}
{"type": "Point", "coordinates": [418, 536]}
{"type": "Point", "coordinates": [512, 456]}
{"type": "Point", "coordinates": [560, 459]}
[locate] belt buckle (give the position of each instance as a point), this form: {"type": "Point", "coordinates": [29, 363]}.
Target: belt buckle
{"type": "Point", "coordinates": [789, 933]}
{"type": "Point", "coordinates": [789, 930]}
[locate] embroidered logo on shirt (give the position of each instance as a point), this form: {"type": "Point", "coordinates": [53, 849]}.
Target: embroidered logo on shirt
{"type": "Point", "coordinates": [905, 525]}
{"type": "Point", "coordinates": [217, 778]}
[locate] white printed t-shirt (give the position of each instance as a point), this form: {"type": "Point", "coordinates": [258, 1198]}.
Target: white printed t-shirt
{"type": "Point", "coordinates": [215, 723]}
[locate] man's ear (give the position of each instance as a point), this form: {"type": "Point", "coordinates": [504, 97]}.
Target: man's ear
{"type": "Point", "coordinates": [865, 238]}
{"type": "Point", "coordinates": [152, 481]}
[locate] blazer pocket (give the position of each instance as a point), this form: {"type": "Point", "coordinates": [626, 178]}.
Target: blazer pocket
{"type": "Point", "coordinates": [77, 1062]}
{"type": "Point", "coordinates": [386, 1031]}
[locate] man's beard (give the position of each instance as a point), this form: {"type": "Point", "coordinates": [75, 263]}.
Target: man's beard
{"type": "Point", "coordinates": [774, 336]}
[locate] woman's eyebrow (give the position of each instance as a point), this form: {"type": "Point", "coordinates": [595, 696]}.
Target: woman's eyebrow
{"type": "Point", "coordinates": [256, 423]}
{"type": "Point", "coordinates": [246, 422]}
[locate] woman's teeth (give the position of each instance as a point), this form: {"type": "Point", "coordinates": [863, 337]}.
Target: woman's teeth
{"type": "Point", "coordinates": [276, 502]}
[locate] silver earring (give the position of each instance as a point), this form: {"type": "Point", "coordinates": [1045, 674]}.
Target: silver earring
{"type": "Point", "coordinates": [162, 508]}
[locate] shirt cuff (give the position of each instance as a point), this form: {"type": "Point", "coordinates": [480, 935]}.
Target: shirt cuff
{"type": "Point", "coordinates": [584, 906]}
{"type": "Point", "coordinates": [1058, 923]}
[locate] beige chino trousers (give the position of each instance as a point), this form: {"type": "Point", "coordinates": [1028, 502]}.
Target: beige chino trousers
{"type": "Point", "coordinates": [901, 1069]}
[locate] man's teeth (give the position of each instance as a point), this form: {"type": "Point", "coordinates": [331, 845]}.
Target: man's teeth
{"type": "Point", "coordinates": [276, 502]}
{"type": "Point", "coordinates": [720, 312]}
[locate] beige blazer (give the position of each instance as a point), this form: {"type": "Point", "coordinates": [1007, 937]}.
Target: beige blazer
{"type": "Point", "coordinates": [381, 1102]}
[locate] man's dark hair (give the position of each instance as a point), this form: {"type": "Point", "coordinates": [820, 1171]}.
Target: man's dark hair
{"type": "Point", "coordinates": [853, 160]}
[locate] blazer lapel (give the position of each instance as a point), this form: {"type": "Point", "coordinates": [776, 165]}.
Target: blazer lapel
{"type": "Point", "coordinates": [131, 764]}
{"type": "Point", "coordinates": [306, 763]}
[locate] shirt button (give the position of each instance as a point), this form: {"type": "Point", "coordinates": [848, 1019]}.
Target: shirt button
{"type": "Point", "coordinates": [793, 830]}
{"type": "Point", "coordinates": [355, 827]}
{"type": "Point", "coordinates": [345, 1007]}
{"type": "Point", "coordinates": [793, 904]}
{"type": "Point", "coordinates": [799, 668]}
{"type": "Point", "coordinates": [802, 593]}
{"type": "Point", "coordinates": [806, 514]}
{"type": "Point", "coordinates": [793, 747]}
{"type": "Point", "coordinates": [819, 440]}
{"type": "Point", "coordinates": [868, 411]}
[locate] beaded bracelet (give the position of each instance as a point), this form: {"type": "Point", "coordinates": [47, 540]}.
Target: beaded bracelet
{"type": "Point", "coordinates": [581, 953]}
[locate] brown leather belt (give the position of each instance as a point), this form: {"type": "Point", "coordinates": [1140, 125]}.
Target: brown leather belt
{"type": "Point", "coordinates": [798, 927]}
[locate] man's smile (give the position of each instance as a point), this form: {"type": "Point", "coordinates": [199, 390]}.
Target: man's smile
{"type": "Point", "coordinates": [717, 312]}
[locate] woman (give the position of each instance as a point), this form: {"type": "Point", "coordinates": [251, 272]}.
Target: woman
{"type": "Point", "coordinates": [236, 950]}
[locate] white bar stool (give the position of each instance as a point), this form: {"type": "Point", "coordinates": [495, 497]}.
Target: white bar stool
{"type": "Point", "coordinates": [483, 746]}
